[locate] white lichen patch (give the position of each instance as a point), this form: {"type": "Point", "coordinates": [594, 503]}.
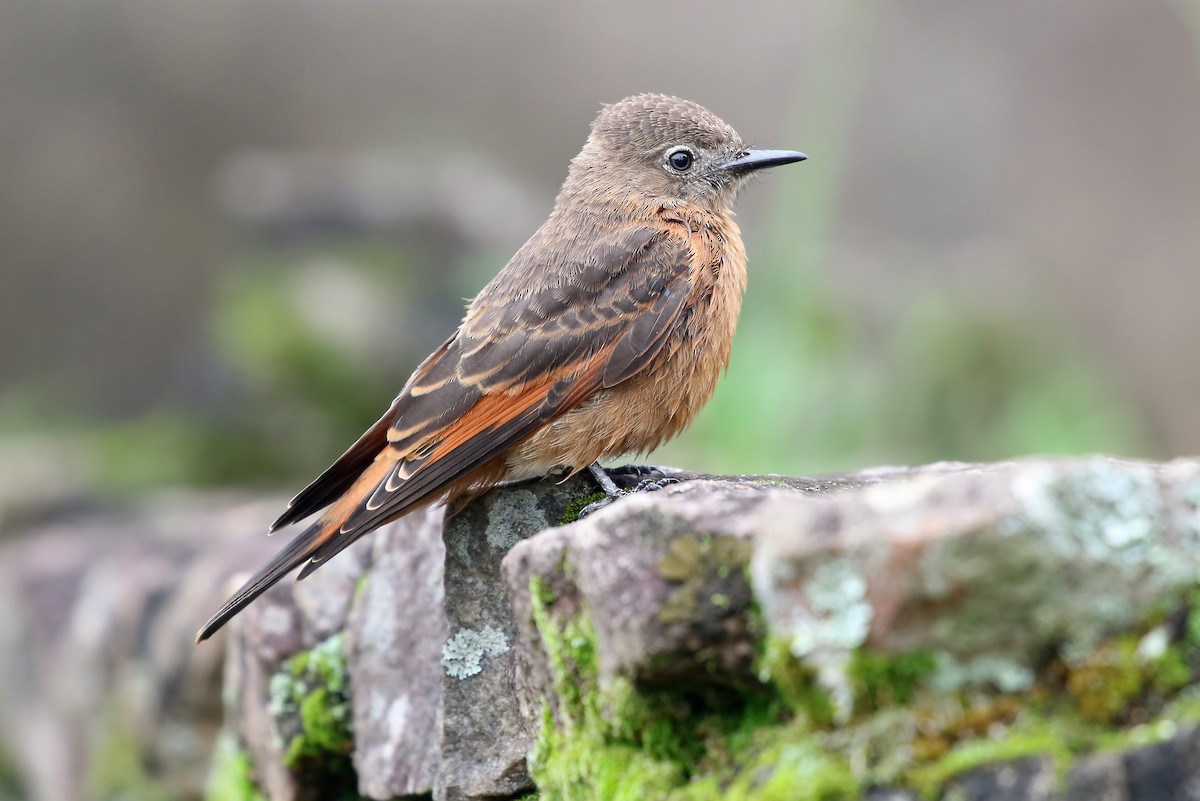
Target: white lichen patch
{"type": "Point", "coordinates": [1104, 526]}
{"type": "Point", "coordinates": [513, 516]}
{"type": "Point", "coordinates": [279, 692]}
{"type": "Point", "coordinates": [838, 615]}
{"type": "Point", "coordinates": [1101, 511]}
{"type": "Point", "coordinates": [463, 654]}
{"type": "Point", "coordinates": [834, 622]}
{"type": "Point", "coordinates": [1003, 673]}
{"type": "Point", "coordinates": [493, 641]}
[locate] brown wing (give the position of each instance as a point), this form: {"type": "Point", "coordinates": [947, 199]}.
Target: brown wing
{"type": "Point", "coordinates": [533, 345]}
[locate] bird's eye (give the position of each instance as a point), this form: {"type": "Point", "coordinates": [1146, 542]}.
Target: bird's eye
{"type": "Point", "coordinates": [681, 160]}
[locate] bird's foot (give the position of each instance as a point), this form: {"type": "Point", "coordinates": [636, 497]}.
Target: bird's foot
{"type": "Point", "coordinates": [612, 491]}
{"type": "Point", "coordinates": [649, 479]}
{"type": "Point", "coordinates": [654, 484]}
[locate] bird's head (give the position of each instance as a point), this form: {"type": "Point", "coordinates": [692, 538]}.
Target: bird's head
{"type": "Point", "coordinates": [665, 149]}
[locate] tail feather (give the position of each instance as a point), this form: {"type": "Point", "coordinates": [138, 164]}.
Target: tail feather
{"type": "Point", "coordinates": [297, 552]}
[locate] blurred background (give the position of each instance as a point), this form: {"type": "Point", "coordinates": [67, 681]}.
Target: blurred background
{"type": "Point", "coordinates": [229, 230]}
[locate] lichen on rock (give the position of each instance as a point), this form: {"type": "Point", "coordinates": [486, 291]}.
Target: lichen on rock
{"type": "Point", "coordinates": [463, 654]}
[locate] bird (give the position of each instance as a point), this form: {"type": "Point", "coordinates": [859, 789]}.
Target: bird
{"type": "Point", "coordinates": [602, 337]}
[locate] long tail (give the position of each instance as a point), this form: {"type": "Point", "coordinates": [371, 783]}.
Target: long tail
{"type": "Point", "coordinates": [322, 540]}
{"type": "Point", "coordinates": [296, 553]}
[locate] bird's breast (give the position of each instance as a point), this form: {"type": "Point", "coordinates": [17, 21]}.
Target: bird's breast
{"type": "Point", "coordinates": [663, 399]}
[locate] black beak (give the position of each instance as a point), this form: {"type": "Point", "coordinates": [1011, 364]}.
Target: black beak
{"type": "Point", "coordinates": [752, 160]}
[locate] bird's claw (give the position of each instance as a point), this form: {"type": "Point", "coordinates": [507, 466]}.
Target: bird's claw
{"type": "Point", "coordinates": [654, 485]}
{"type": "Point", "coordinates": [596, 506]}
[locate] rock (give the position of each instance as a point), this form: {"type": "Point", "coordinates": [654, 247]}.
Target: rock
{"type": "Point", "coordinates": [882, 794]}
{"type": "Point", "coordinates": [1029, 779]}
{"type": "Point", "coordinates": [1170, 769]}
{"type": "Point", "coordinates": [287, 684]}
{"type": "Point", "coordinates": [898, 590]}
{"type": "Point", "coordinates": [338, 678]}
{"type": "Point", "coordinates": [661, 576]}
{"type": "Point", "coordinates": [250, 661]}
{"type": "Point", "coordinates": [104, 691]}
{"type": "Point", "coordinates": [394, 650]}
{"type": "Point", "coordinates": [1070, 550]}
{"type": "Point", "coordinates": [1098, 778]}
{"type": "Point", "coordinates": [1020, 630]}
{"type": "Point", "coordinates": [486, 730]}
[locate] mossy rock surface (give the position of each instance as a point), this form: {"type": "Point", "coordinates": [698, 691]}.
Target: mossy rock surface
{"type": "Point", "coordinates": [947, 634]}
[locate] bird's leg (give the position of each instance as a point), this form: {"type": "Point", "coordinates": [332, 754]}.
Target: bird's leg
{"type": "Point", "coordinates": [610, 488]}
{"type": "Point", "coordinates": [612, 491]}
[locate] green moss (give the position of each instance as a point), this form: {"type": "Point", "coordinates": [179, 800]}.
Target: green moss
{"type": "Point", "coordinates": [310, 707]}
{"type": "Point", "coordinates": [571, 650]}
{"type": "Point", "coordinates": [572, 757]}
{"type": "Point", "coordinates": [1130, 677]}
{"type": "Point", "coordinates": [231, 777]}
{"type": "Point", "coordinates": [614, 740]}
{"type": "Point", "coordinates": [325, 729]}
{"type": "Point", "coordinates": [571, 513]}
{"type": "Point", "coordinates": [880, 681]}
{"type": "Point", "coordinates": [906, 732]}
{"type": "Point", "coordinates": [1184, 709]}
{"type": "Point", "coordinates": [709, 572]}
{"type": "Point", "coordinates": [795, 682]}
{"type": "Point", "coordinates": [1050, 738]}
{"type": "Point", "coordinates": [542, 595]}
{"type": "Point", "coordinates": [799, 771]}
{"type": "Point", "coordinates": [1172, 672]}
{"type": "Point", "coordinates": [1126, 678]}
{"type": "Point", "coordinates": [627, 741]}
{"type": "Point", "coordinates": [1105, 683]}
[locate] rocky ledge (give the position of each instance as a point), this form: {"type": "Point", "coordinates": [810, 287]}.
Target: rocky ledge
{"type": "Point", "coordinates": [1024, 630]}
